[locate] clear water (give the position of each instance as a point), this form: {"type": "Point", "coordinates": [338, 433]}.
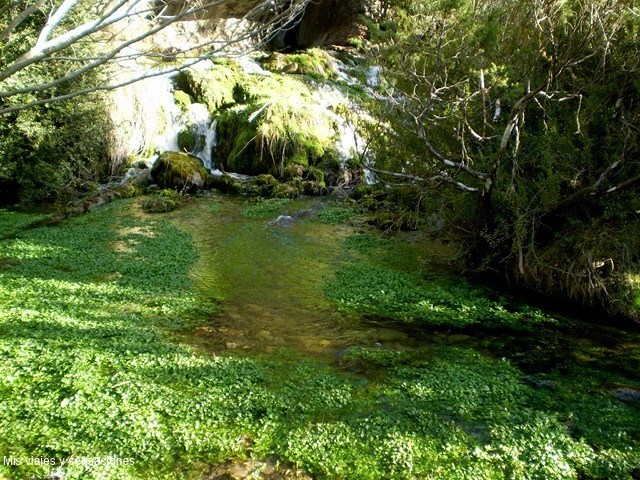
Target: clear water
{"type": "Point", "coordinates": [268, 276]}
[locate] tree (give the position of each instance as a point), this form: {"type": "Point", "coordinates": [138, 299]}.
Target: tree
{"type": "Point", "coordinates": [530, 108]}
{"type": "Point", "coordinates": [80, 36]}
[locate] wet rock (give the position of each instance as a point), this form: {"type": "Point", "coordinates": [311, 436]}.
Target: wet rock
{"type": "Point", "coordinates": [627, 395]}
{"type": "Point", "coordinates": [283, 220]}
{"type": "Point", "coordinates": [179, 171]}
{"type": "Point", "coordinates": [538, 382]}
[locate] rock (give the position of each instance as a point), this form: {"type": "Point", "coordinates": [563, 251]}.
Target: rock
{"type": "Point", "coordinates": [160, 203]}
{"type": "Point", "coordinates": [539, 382]}
{"type": "Point", "coordinates": [626, 394]}
{"type": "Point", "coordinates": [314, 188]}
{"type": "Point", "coordinates": [179, 171]}
{"type": "Point", "coordinates": [282, 220]}
{"type": "Point", "coordinates": [286, 190]}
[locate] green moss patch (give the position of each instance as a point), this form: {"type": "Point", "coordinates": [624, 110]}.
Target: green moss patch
{"type": "Point", "coordinates": [163, 202]}
{"type": "Point", "coordinates": [274, 132]}
{"type": "Point", "coordinates": [179, 171]}
{"type": "Point", "coordinates": [214, 87]}
{"type": "Point", "coordinates": [314, 62]}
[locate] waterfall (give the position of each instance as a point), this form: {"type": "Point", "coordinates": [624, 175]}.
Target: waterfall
{"type": "Point", "coordinates": [146, 119]}
{"type": "Point", "coordinates": [203, 129]}
{"type": "Point", "coordinates": [373, 76]}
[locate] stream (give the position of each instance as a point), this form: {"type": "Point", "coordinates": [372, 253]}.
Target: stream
{"type": "Point", "coordinates": [268, 275]}
{"type": "Point", "coordinates": [247, 338]}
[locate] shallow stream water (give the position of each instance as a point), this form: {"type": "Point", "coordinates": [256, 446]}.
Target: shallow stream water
{"type": "Point", "coordinates": [268, 274]}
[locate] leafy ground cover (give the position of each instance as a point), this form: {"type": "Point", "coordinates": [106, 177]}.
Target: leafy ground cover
{"type": "Point", "coordinates": [336, 214]}
{"type": "Point", "coordinates": [89, 369]}
{"type": "Point", "coordinates": [387, 281]}
{"type": "Point", "coordinates": [12, 222]}
{"type": "Point", "coordinates": [264, 207]}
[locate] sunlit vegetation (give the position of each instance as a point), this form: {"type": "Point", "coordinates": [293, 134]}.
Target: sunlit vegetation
{"type": "Point", "coordinates": [89, 369]}
{"type": "Point", "coordinates": [496, 138]}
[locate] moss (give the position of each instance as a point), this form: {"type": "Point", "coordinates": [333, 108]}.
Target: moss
{"type": "Point", "coordinates": [182, 99]}
{"type": "Point", "coordinates": [268, 136]}
{"type": "Point", "coordinates": [179, 171]}
{"type": "Point", "coordinates": [314, 62]}
{"type": "Point", "coordinates": [214, 88]}
{"type": "Point", "coordinates": [286, 190]}
{"type": "Point", "coordinates": [293, 170]}
{"type": "Point", "coordinates": [265, 184]}
{"type": "Point", "coordinates": [314, 188]}
{"type": "Point", "coordinates": [186, 140]}
{"type": "Point", "coordinates": [160, 204]}
{"type": "Point", "coordinates": [315, 175]}
{"type": "Point", "coordinates": [227, 184]}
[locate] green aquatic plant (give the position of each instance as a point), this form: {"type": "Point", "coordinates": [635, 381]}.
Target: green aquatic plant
{"type": "Point", "coordinates": [90, 368]}
{"type": "Point", "coordinates": [264, 207]}
{"type": "Point", "coordinates": [335, 215]}
{"type": "Point", "coordinates": [390, 293]}
{"type": "Point", "coordinates": [12, 222]}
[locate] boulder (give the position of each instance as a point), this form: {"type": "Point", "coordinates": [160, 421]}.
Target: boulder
{"type": "Point", "coordinates": [626, 394]}
{"type": "Point", "coordinates": [179, 171]}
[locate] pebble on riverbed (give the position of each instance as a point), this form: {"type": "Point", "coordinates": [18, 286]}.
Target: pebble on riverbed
{"type": "Point", "coordinates": [255, 469]}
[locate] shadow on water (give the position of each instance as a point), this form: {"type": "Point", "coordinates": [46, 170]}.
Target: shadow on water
{"type": "Point", "coordinates": [268, 275]}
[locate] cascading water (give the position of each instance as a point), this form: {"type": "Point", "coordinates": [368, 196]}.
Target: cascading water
{"type": "Point", "coordinates": [202, 128]}
{"type": "Point", "coordinates": [162, 121]}
{"type": "Point", "coordinates": [146, 117]}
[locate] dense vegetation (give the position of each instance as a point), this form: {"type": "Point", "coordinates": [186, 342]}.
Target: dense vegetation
{"type": "Point", "coordinates": [50, 151]}
{"type": "Point", "coordinates": [91, 371]}
{"type": "Point", "coordinates": [524, 115]}
{"type": "Point", "coordinates": [504, 131]}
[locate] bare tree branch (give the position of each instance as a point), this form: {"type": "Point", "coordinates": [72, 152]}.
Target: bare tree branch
{"type": "Point", "coordinates": [263, 17]}
{"type": "Point", "coordinates": [442, 177]}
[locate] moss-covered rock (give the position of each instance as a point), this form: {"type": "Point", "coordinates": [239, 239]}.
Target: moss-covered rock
{"type": "Point", "coordinates": [286, 190]}
{"type": "Point", "coordinates": [180, 172]}
{"type": "Point", "coordinates": [273, 124]}
{"type": "Point", "coordinates": [160, 203]}
{"type": "Point", "coordinates": [265, 184]}
{"type": "Point", "coordinates": [293, 170]}
{"type": "Point", "coordinates": [268, 136]}
{"type": "Point", "coordinates": [182, 99]}
{"type": "Point", "coordinates": [315, 189]}
{"type": "Point", "coordinates": [314, 62]}
{"type": "Point", "coordinates": [213, 88]}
